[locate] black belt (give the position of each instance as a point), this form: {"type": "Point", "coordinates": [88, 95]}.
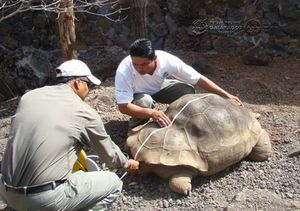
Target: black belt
{"type": "Point", "coordinates": [35, 188]}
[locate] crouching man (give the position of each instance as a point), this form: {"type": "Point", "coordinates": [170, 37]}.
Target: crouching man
{"type": "Point", "coordinates": [51, 126]}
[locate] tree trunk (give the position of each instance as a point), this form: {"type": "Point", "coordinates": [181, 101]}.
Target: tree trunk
{"type": "Point", "coordinates": [66, 27]}
{"type": "Point", "coordinates": [139, 18]}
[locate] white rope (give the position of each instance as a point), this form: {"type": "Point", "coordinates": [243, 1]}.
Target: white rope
{"type": "Point", "coordinates": [159, 129]}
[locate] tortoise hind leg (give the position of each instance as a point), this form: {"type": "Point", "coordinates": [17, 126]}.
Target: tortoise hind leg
{"type": "Point", "coordinates": [181, 182]}
{"type": "Point", "coordinates": [263, 149]}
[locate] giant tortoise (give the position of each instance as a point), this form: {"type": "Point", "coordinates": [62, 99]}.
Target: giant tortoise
{"type": "Point", "coordinates": [208, 133]}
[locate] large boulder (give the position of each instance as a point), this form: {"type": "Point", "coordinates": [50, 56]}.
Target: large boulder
{"type": "Point", "coordinates": [23, 69]}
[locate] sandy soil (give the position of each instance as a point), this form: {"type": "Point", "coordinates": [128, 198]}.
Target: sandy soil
{"type": "Point", "coordinates": [272, 91]}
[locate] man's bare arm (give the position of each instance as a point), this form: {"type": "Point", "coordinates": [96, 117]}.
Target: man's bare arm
{"type": "Point", "coordinates": [210, 86]}
{"type": "Point", "coordinates": [139, 112]}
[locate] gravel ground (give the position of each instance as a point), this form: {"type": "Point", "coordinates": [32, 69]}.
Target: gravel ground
{"type": "Point", "coordinates": [272, 91]}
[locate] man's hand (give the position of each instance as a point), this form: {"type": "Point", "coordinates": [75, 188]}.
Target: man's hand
{"type": "Point", "coordinates": [235, 100]}
{"type": "Point", "coordinates": [161, 118]}
{"type": "Point", "coordinates": [140, 112]}
{"type": "Point", "coordinates": [133, 166]}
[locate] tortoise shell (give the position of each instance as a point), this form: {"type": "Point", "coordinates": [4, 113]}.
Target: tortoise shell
{"type": "Point", "coordinates": [208, 133]}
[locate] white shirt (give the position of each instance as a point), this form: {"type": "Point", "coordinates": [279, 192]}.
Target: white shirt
{"type": "Point", "coordinates": [128, 81]}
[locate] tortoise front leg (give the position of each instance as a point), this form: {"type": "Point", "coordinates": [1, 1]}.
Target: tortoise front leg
{"type": "Point", "coordinates": [181, 182]}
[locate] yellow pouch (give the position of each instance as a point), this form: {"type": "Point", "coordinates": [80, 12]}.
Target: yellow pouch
{"type": "Point", "coordinates": [81, 163]}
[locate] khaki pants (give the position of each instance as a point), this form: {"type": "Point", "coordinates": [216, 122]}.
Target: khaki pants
{"type": "Point", "coordinates": [81, 191]}
{"type": "Point", "coordinates": [171, 90]}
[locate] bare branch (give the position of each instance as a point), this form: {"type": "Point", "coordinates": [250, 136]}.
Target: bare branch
{"type": "Point", "coordinates": [9, 8]}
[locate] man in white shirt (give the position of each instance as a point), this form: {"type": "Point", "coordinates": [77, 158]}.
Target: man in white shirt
{"type": "Point", "coordinates": [142, 79]}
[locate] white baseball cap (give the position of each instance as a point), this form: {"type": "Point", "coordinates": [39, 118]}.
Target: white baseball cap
{"type": "Point", "coordinates": [76, 67]}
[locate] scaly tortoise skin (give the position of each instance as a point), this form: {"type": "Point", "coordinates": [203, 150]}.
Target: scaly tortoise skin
{"type": "Point", "coordinates": [210, 134]}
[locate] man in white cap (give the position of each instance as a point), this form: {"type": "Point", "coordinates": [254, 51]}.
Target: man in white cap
{"type": "Point", "coordinates": [51, 126]}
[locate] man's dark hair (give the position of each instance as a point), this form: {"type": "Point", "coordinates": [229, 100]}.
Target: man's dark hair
{"type": "Point", "coordinates": [142, 48]}
{"type": "Point", "coordinates": [64, 80]}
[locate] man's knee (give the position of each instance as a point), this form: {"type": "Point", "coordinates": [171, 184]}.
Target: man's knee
{"type": "Point", "coordinates": [116, 181]}
{"type": "Point", "coordinates": [143, 100]}
{"type": "Point", "coordinates": [182, 89]}
{"type": "Point", "coordinates": [111, 194]}
{"type": "Point", "coordinates": [186, 89]}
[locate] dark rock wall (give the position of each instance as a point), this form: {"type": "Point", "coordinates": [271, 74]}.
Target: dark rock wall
{"type": "Point", "coordinates": [172, 24]}
{"type": "Point", "coordinates": [253, 29]}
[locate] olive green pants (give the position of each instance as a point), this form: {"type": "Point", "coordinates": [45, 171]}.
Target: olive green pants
{"type": "Point", "coordinates": [81, 191]}
{"type": "Point", "coordinates": [171, 90]}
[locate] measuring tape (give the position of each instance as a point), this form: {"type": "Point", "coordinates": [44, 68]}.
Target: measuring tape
{"type": "Point", "coordinates": [159, 129]}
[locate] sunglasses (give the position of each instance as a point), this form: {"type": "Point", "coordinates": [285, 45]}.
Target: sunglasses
{"type": "Point", "coordinates": [87, 81]}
